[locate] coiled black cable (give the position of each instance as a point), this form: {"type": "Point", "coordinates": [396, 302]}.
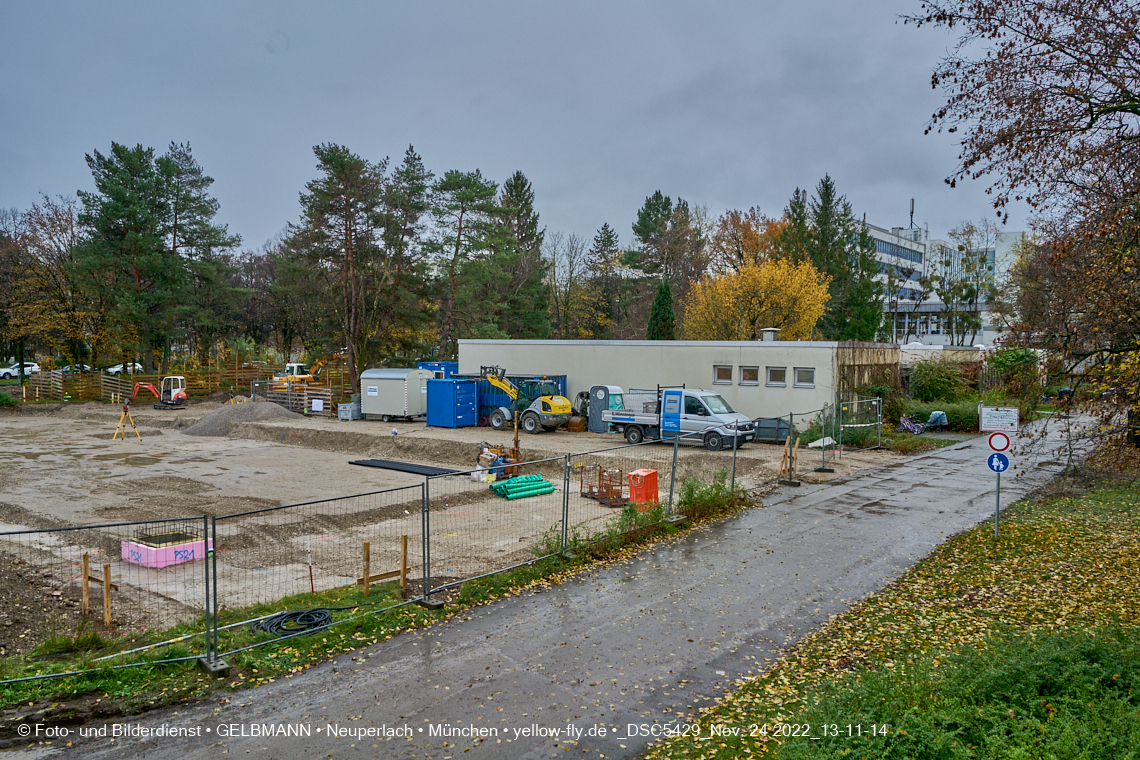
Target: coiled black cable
{"type": "Point", "coordinates": [294, 623]}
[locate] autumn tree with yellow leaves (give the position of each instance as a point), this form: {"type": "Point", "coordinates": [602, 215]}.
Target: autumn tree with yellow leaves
{"type": "Point", "coordinates": [738, 306]}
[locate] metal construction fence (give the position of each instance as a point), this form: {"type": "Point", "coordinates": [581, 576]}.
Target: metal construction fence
{"type": "Point", "coordinates": [302, 398]}
{"type": "Point", "coordinates": [126, 579]}
{"type": "Point", "coordinates": [147, 584]}
{"type": "Point", "coordinates": [860, 419]}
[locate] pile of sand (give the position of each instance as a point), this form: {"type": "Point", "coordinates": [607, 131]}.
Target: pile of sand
{"type": "Point", "coordinates": [218, 423]}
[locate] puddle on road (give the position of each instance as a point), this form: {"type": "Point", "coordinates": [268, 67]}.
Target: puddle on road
{"type": "Point", "coordinates": [129, 458]}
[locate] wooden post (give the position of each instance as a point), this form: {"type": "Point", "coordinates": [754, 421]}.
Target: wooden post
{"type": "Point", "coordinates": [794, 469]}
{"type": "Point", "coordinates": [404, 561]}
{"type": "Point", "coordinates": [86, 578]}
{"type": "Point", "coordinates": [366, 568]}
{"type": "Point", "coordinates": [106, 594]}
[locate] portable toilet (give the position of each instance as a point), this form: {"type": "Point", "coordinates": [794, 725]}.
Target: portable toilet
{"type": "Point", "coordinates": [452, 403]}
{"type": "Point", "coordinates": [394, 393]}
{"type": "Point", "coordinates": [603, 398]}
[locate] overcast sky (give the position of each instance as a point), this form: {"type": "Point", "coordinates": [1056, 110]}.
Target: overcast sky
{"type": "Point", "coordinates": [726, 104]}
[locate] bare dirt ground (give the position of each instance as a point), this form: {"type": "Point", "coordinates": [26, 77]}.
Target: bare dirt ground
{"type": "Point", "coordinates": [60, 468]}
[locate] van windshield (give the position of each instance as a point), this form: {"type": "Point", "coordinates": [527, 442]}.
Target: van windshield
{"type": "Point", "coordinates": [717, 405]}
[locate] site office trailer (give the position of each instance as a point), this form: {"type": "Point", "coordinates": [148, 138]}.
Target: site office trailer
{"type": "Point", "coordinates": [758, 378]}
{"type": "Point", "coordinates": [387, 393]}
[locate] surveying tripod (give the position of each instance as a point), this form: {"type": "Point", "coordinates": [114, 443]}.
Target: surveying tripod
{"type": "Point", "coordinates": [124, 418]}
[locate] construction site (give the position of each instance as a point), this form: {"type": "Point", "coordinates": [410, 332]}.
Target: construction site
{"type": "Point", "coordinates": [66, 466]}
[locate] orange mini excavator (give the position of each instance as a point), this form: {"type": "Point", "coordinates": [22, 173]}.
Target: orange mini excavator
{"type": "Point", "coordinates": [172, 395]}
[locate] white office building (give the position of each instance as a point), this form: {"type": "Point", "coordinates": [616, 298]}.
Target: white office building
{"type": "Point", "coordinates": [913, 256]}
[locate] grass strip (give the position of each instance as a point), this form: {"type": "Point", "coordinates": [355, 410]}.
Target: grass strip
{"type": "Point", "coordinates": [1062, 577]}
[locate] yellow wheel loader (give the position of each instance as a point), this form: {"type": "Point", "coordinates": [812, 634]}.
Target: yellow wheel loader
{"type": "Point", "coordinates": [537, 402]}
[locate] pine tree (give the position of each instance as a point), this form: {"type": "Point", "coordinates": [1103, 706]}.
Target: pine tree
{"type": "Point", "coordinates": [340, 235]}
{"type": "Point", "coordinates": [465, 213]}
{"type": "Point", "coordinates": [841, 247]}
{"type": "Point", "coordinates": [193, 240]}
{"type": "Point", "coordinates": [526, 302]}
{"type": "Point", "coordinates": [661, 319]}
{"type": "Point", "coordinates": [123, 260]}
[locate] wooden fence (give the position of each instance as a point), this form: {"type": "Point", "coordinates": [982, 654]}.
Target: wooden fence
{"type": "Point", "coordinates": [54, 386]}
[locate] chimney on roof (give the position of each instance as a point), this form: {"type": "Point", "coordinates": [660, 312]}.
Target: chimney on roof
{"type": "Point", "coordinates": [769, 334]}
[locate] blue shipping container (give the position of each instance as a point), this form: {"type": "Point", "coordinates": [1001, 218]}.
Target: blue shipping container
{"type": "Point", "coordinates": [491, 398]}
{"type": "Point", "coordinates": [442, 370]}
{"type": "Point", "coordinates": [451, 403]}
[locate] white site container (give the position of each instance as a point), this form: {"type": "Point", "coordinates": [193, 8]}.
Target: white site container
{"type": "Point", "coordinates": [392, 393]}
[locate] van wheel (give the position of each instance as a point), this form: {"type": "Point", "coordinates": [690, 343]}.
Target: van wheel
{"type": "Point", "coordinates": [713, 441]}
{"type": "Point", "coordinates": [633, 434]}
{"type": "Point", "coordinates": [498, 421]}
{"type": "Point", "coordinates": [530, 423]}
{"type": "Point", "coordinates": [385, 418]}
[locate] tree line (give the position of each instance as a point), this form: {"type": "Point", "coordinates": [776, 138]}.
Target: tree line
{"type": "Point", "coordinates": [388, 262]}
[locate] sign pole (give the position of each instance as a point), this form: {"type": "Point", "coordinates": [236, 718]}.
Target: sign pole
{"type": "Point", "coordinates": [997, 506]}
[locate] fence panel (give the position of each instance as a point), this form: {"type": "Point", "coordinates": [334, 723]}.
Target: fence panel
{"type": "Point", "coordinates": [268, 555]}
{"type": "Point", "coordinates": [477, 525]}
{"type": "Point", "coordinates": [44, 386]}
{"type": "Point", "coordinates": [860, 420]}
{"type": "Point", "coordinates": [157, 578]}
{"type": "Point", "coordinates": [296, 397]}
{"type": "Point", "coordinates": [609, 479]}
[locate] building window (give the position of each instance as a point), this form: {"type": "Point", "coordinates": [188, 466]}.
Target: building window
{"type": "Point", "coordinates": [935, 324]}
{"type": "Point", "coordinates": [805, 377]}
{"type": "Point", "coordinates": [722, 374]}
{"type": "Point", "coordinates": [777, 376]}
{"type": "Point", "coordinates": [749, 375]}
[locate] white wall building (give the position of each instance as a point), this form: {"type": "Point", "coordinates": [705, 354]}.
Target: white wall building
{"type": "Point", "coordinates": [758, 378]}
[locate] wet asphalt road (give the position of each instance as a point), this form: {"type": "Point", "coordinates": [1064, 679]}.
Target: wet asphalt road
{"type": "Point", "coordinates": [643, 641]}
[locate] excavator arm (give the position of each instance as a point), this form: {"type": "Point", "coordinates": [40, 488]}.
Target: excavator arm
{"type": "Point", "coordinates": [145, 386]}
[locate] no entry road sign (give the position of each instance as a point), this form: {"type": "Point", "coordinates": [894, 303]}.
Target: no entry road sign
{"type": "Point", "coordinates": [999, 441]}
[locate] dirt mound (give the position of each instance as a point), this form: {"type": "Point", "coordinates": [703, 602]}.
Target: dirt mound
{"type": "Point", "coordinates": [218, 423]}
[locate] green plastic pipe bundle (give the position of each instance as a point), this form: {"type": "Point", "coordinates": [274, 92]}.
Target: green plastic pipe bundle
{"type": "Point", "coordinates": [522, 487]}
{"type": "Point", "coordinates": [522, 493]}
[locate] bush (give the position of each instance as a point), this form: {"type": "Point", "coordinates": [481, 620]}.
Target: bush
{"type": "Point", "coordinates": [936, 380]}
{"type": "Point", "coordinates": [962, 417]}
{"type": "Point", "coordinates": [7, 399]}
{"type": "Point", "coordinates": [893, 398]}
{"type": "Point", "coordinates": [1048, 695]}
{"type": "Point", "coordinates": [698, 499]}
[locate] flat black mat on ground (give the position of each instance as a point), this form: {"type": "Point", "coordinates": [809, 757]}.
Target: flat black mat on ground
{"type": "Point", "coordinates": [418, 469]}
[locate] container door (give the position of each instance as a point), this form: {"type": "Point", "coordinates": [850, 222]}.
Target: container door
{"type": "Point", "coordinates": [599, 402]}
{"type": "Point", "coordinates": [466, 409]}
{"type": "Point", "coordinates": [671, 414]}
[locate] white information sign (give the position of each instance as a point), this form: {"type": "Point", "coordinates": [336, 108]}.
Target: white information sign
{"type": "Point", "coordinates": [373, 390]}
{"type": "Point", "coordinates": [318, 405]}
{"type": "Point", "coordinates": [1001, 419]}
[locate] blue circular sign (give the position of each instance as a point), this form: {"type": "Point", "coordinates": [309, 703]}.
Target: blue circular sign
{"type": "Point", "coordinates": [998, 462]}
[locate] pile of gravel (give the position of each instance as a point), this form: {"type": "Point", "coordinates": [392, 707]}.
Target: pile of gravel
{"type": "Point", "coordinates": [218, 423]}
